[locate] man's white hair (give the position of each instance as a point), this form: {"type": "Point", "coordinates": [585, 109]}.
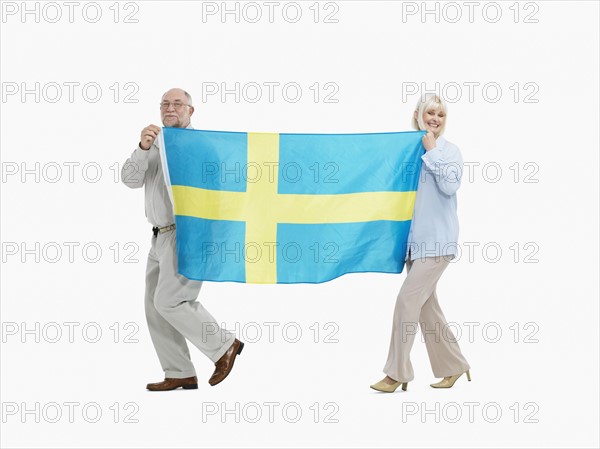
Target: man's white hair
{"type": "Point", "coordinates": [189, 97]}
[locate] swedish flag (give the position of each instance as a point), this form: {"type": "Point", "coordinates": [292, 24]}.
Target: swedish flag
{"type": "Point", "coordinates": [269, 208]}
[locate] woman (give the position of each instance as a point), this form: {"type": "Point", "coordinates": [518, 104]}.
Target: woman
{"type": "Point", "coordinates": [432, 244]}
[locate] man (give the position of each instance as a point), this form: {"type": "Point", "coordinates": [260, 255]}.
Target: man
{"type": "Point", "coordinates": [172, 312]}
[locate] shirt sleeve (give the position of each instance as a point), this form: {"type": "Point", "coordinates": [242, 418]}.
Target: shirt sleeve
{"type": "Point", "coordinates": [447, 166]}
{"type": "Point", "coordinates": [133, 172]}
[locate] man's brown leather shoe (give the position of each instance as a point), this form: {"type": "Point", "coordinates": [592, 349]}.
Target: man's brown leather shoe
{"type": "Point", "coordinates": [187, 383]}
{"type": "Point", "coordinates": [225, 363]}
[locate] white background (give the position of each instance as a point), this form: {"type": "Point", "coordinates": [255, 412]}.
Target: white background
{"type": "Point", "coordinates": [549, 375]}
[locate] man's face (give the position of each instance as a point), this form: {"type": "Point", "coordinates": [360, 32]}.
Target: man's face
{"type": "Point", "coordinates": [174, 109]}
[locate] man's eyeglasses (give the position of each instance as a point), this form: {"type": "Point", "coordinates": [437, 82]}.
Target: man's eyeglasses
{"type": "Point", "coordinates": [177, 105]}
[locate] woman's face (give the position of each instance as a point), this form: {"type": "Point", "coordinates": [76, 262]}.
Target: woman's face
{"type": "Point", "coordinates": [434, 119]}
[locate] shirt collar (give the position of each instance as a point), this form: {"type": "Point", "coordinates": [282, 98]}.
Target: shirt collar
{"type": "Point", "coordinates": [440, 141]}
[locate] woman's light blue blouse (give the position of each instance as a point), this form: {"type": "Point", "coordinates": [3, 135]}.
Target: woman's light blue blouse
{"type": "Point", "coordinates": [434, 227]}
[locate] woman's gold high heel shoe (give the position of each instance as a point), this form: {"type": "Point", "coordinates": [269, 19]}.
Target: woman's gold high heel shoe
{"type": "Point", "coordinates": [448, 381]}
{"type": "Point", "coordinates": [389, 388]}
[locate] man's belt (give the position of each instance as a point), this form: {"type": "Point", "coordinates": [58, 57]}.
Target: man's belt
{"type": "Point", "coordinates": [156, 229]}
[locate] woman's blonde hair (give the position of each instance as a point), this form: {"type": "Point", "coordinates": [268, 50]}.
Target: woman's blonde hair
{"type": "Point", "coordinates": [424, 104]}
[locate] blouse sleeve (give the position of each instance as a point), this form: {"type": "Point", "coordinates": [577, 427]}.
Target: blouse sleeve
{"type": "Point", "coordinates": [447, 165]}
